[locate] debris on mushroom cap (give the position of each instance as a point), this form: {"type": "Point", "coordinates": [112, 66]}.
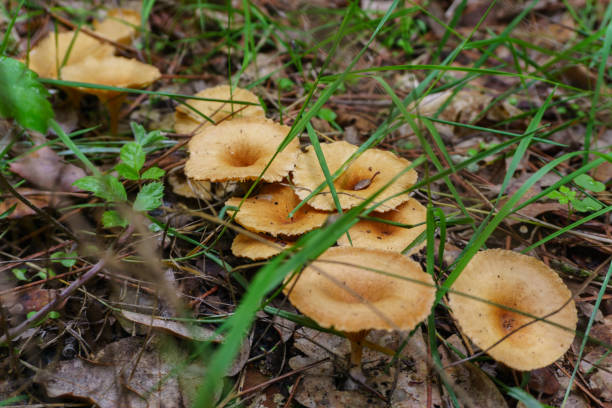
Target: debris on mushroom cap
{"type": "Point", "coordinates": [268, 212]}
{"type": "Point", "coordinates": [366, 174]}
{"type": "Point", "coordinates": [119, 25]}
{"type": "Point", "coordinates": [239, 150]}
{"type": "Point", "coordinates": [45, 58]}
{"type": "Point", "coordinates": [186, 120]}
{"type": "Point", "coordinates": [185, 187]}
{"type": "Point", "coordinates": [257, 250]}
{"type": "Point", "coordinates": [374, 300]}
{"type": "Point", "coordinates": [519, 282]}
{"type": "Point", "coordinates": [379, 235]}
{"type": "Point", "coordinates": [112, 71]}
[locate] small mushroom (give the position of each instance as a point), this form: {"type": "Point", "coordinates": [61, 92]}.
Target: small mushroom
{"type": "Point", "coordinates": [185, 187]}
{"type": "Point", "coordinates": [186, 120]}
{"type": "Point", "coordinates": [45, 57]}
{"type": "Point", "coordinates": [258, 249]}
{"type": "Point", "coordinates": [239, 150]}
{"type": "Point", "coordinates": [344, 290]}
{"type": "Point", "coordinates": [268, 212]}
{"type": "Point", "coordinates": [522, 283]}
{"type": "Point", "coordinates": [366, 174]}
{"type": "Point", "coordinates": [119, 25]}
{"type": "Point", "coordinates": [379, 235]}
{"type": "Point", "coordinates": [111, 71]}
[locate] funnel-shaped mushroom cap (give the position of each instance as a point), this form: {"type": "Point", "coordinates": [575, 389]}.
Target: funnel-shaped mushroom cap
{"type": "Point", "coordinates": [186, 120]}
{"type": "Point", "coordinates": [119, 25]}
{"type": "Point", "coordinates": [257, 250]}
{"type": "Point", "coordinates": [239, 150]}
{"type": "Point", "coordinates": [522, 283]}
{"type": "Point", "coordinates": [379, 235]}
{"type": "Point", "coordinates": [112, 71]}
{"type": "Point", "coordinates": [268, 212]}
{"type": "Point", "coordinates": [45, 57]}
{"type": "Point", "coordinates": [342, 290]}
{"type": "Point", "coordinates": [368, 173]}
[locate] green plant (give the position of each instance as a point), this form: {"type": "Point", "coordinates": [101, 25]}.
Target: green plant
{"type": "Point", "coordinates": [579, 202]}
{"type": "Point", "coordinates": [110, 189]}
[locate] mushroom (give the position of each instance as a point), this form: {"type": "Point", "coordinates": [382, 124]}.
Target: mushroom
{"type": "Point", "coordinates": [519, 282]}
{"type": "Point", "coordinates": [119, 25]}
{"type": "Point", "coordinates": [239, 150]}
{"type": "Point", "coordinates": [45, 58]}
{"type": "Point", "coordinates": [111, 71]}
{"type": "Point", "coordinates": [186, 120]}
{"type": "Point", "coordinates": [185, 187]}
{"type": "Point", "coordinates": [365, 175]}
{"type": "Point", "coordinates": [379, 235]}
{"type": "Point", "coordinates": [258, 249]}
{"type": "Point", "coordinates": [268, 212]}
{"type": "Point", "coordinates": [343, 289]}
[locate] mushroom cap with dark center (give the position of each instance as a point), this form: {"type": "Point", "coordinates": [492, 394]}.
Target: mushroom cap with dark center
{"type": "Point", "coordinates": [344, 289]}
{"type": "Point", "coordinates": [366, 174]}
{"type": "Point", "coordinates": [186, 120]}
{"type": "Point", "coordinates": [268, 212]}
{"type": "Point", "coordinates": [258, 250]}
{"type": "Point", "coordinates": [522, 283]}
{"type": "Point", "coordinates": [239, 150]}
{"type": "Point", "coordinates": [44, 58]}
{"type": "Point", "coordinates": [378, 235]}
{"type": "Point", "coordinates": [112, 71]}
{"type": "Point", "coordinates": [119, 25]}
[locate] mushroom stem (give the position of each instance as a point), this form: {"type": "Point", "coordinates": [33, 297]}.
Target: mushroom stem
{"type": "Point", "coordinates": [113, 105]}
{"type": "Point", "coordinates": [356, 339]}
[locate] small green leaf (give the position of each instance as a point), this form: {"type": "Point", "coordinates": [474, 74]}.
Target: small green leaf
{"type": "Point", "coordinates": [133, 155]}
{"type": "Point", "coordinates": [69, 261]}
{"type": "Point", "coordinates": [327, 114]}
{"type": "Point", "coordinates": [138, 131]}
{"type": "Point", "coordinates": [152, 138]}
{"type": "Point", "coordinates": [285, 84]}
{"type": "Point", "coordinates": [43, 273]}
{"type": "Point", "coordinates": [585, 181]}
{"type": "Point", "coordinates": [53, 314]}
{"type": "Point", "coordinates": [30, 314]}
{"type": "Point", "coordinates": [587, 204]}
{"type": "Point", "coordinates": [22, 97]}
{"type": "Point", "coordinates": [106, 187]}
{"type": "Point", "coordinates": [112, 219]}
{"type": "Point", "coordinates": [19, 273]}
{"type": "Point", "coordinates": [555, 195]}
{"type": "Point", "coordinates": [149, 197]}
{"type": "Point", "coordinates": [153, 173]}
{"type": "Point", "coordinates": [126, 171]}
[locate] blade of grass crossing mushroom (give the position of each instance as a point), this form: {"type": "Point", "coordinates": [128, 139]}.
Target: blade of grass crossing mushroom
{"type": "Point", "coordinates": [600, 295]}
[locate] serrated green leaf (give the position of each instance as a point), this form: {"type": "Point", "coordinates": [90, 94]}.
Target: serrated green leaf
{"type": "Point", "coordinates": [149, 197]}
{"type": "Point", "coordinates": [69, 258]}
{"type": "Point", "coordinates": [585, 181]}
{"type": "Point", "coordinates": [112, 219]}
{"type": "Point", "coordinates": [22, 97]}
{"type": "Point", "coordinates": [106, 187]}
{"type": "Point", "coordinates": [587, 204]}
{"type": "Point", "coordinates": [153, 173]}
{"type": "Point", "coordinates": [132, 155]}
{"type": "Point", "coordinates": [138, 131]}
{"type": "Point", "coordinates": [19, 273]}
{"type": "Point", "coordinates": [126, 171]}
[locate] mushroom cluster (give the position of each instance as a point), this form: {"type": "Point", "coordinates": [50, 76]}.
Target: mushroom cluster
{"type": "Point", "coordinates": [79, 57]}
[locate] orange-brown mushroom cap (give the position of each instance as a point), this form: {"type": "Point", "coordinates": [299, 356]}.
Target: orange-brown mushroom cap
{"type": "Point", "coordinates": [522, 283]}
{"type": "Point", "coordinates": [341, 290]}
{"type": "Point", "coordinates": [186, 120]}
{"type": "Point", "coordinates": [239, 150]}
{"type": "Point", "coordinates": [119, 25]}
{"type": "Point", "coordinates": [379, 235]}
{"type": "Point", "coordinates": [268, 212]}
{"type": "Point", "coordinates": [366, 174]}
{"type": "Point", "coordinates": [258, 249]}
{"type": "Point", "coordinates": [45, 57]}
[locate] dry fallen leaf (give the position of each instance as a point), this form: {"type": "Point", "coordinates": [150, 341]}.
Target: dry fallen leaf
{"type": "Point", "coordinates": [45, 169]}
{"type": "Point", "coordinates": [37, 198]}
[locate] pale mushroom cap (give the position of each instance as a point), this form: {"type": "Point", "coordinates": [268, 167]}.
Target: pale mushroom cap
{"type": "Point", "coordinates": [44, 58]}
{"type": "Point", "coordinates": [378, 235]}
{"type": "Point", "coordinates": [239, 150]}
{"type": "Point", "coordinates": [268, 210]}
{"type": "Point", "coordinates": [119, 25]}
{"type": "Point", "coordinates": [184, 123]}
{"type": "Point", "coordinates": [375, 300]}
{"type": "Point", "coordinates": [185, 187]}
{"type": "Point", "coordinates": [218, 110]}
{"type": "Point", "coordinates": [358, 182]}
{"type": "Point", "coordinates": [112, 71]}
{"type": "Point", "coordinates": [257, 250]}
{"type": "Point", "coordinates": [523, 283]}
